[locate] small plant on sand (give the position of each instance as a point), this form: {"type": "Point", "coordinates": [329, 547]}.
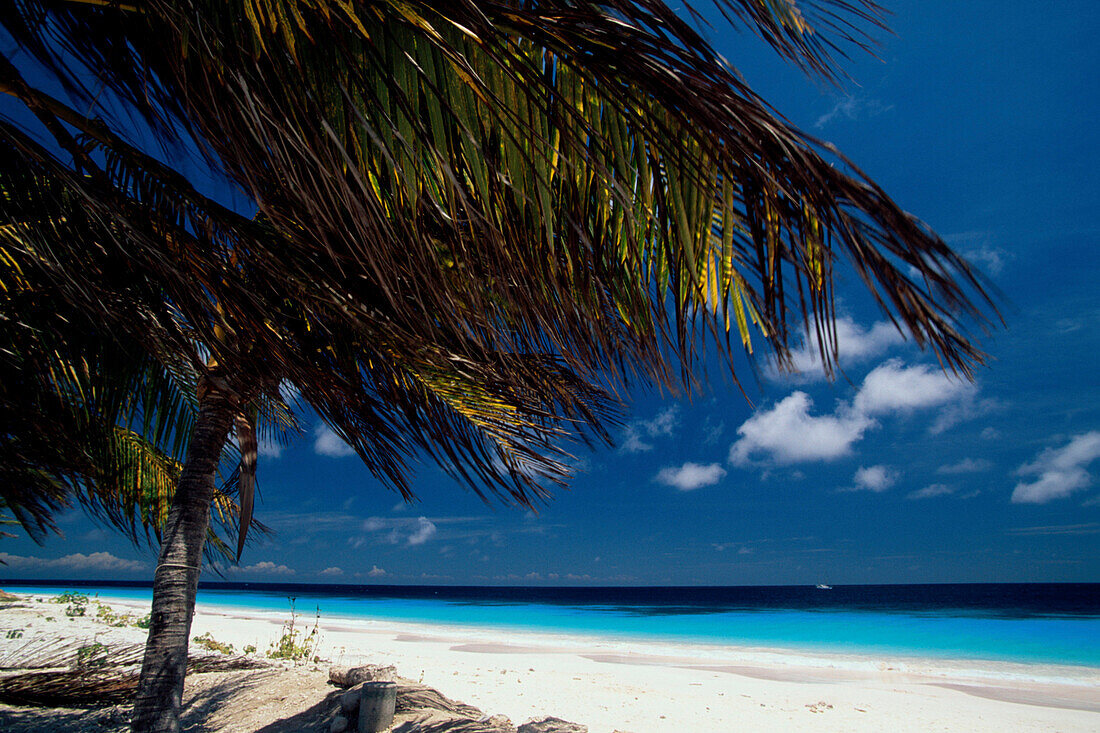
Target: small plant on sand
{"type": "Point", "coordinates": [71, 597]}
{"type": "Point", "coordinates": [291, 644]}
{"type": "Point", "coordinates": [14, 634]}
{"type": "Point", "coordinates": [92, 656]}
{"type": "Point", "coordinates": [250, 649]}
{"type": "Point", "coordinates": [51, 618]}
{"type": "Point", "coordinates": [144, 622]}
{"type": "Point", "coordinates": [74, 609]}
{"type": "Point", "coordinates": [206, 641]}
{"type": "Point", "coordinates": [107, 615]}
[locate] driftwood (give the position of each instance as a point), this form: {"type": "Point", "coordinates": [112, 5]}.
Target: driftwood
{"type": "Point", "coordinates": [416, 698]}
{"type": "Point", "coordinates": [352, 676]}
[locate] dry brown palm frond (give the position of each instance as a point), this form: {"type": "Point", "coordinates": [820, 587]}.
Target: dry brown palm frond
{"type": "Point", "coordinates": [69, 689]}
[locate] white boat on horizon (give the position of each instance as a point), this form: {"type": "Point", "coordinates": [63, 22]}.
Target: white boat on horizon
{"type": "Point", "coordinates": [822, 586]}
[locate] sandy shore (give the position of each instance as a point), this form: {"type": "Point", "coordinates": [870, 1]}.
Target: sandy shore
{"type": "Point", "coordinates": [647, 687]}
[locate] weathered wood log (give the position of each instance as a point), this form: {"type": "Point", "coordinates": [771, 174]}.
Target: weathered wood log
{"type": "Point", "coordinates": [351, 676]}
{"type": "Point", "coordinates": [552, 725]}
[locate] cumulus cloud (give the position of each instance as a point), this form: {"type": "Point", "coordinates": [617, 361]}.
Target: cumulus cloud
{"type": "Point", "coordinates": [853, 343]}
{"type": "Point", "coordinates": [328, 443]}
{"type": "Point", "coordinates": [874, 478]}
{"type": "Point", "coordinates": [691, 476]}
{"type": "Point", "coordinates": [96, 561]}
{"type": "Point", "coordinates": [419, 530]}
{"type": "Point", "coordinates": [264, 567]}
{"type": "Point", "coordinates": [332, 571]}
{"type": "Point", "coordinates": [375, 572]}
{"type": "Point", "coordinates": [639, 431]}
{"type": "Point", "coordinates": [1059, 472]}
{"type": "Point", "coordinates": [966, 465]}
{"type": "Point", "coordinates": [788, 433]}
{"type": "Point", "coordinates": [892, 387]}
{"type": "Point", "coordinates": [931, 491]}
{"type": "Point", "coordinates": [424, 531]}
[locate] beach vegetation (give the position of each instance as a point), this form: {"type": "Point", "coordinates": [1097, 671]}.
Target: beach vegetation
{"type": "Point", "coordinates": [207, 641]}
{"type": "Point", "coordinates": [70, 597]}
{"type": "Point", "coordinates": [249, 649]}
{"type": "Point", "coordinates": [493, 221]}
{"type": "Point", "coordinates": [143, 622]}
{"type": "Point", "coordinates": [295, 643]}
{"type": "Point", "coordinates": [92, 656]}
{"type": "Point", "coordinates": [107, 615]}
{"type": "Point", "coordinates": [75, 609]}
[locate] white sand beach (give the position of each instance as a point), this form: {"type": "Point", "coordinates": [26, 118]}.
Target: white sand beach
{"type": "Point", "coordinates": [648, 687]}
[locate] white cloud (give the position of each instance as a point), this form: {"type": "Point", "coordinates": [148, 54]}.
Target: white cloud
{"type": "Point", "coordinates": [691, 476]}
{"type": "Point", "coordinates": [892, 387]}
{"type": "Point", "coordinates": [874, 478]}
{"type": "Point", "coordinates": [853, 344]}
{"type": "Point", "coordinates": [966, 465]}
{"type": "Point", "coordinates": [662, 425]}
{"type": "Point", "coordinates": [425, 530]}
{"type": "Point", "coordinates": [788, 433]}
{"type": "Point", "coordinates": [977, 247]}
{"type": "Point", "coordinates": [1060, 471]}
{"type": "Point", "coordinates": [332, 571]}
{"type": "Point", "coordinates": [96, 561]}
{"type": "Point", "coordinates": [852, 108]}
{"type": "Point", "coordinates": [375, 572]}
{"type": "Point", "coordinates": [1058, 529]}
{"type": "Point", "coordinates": [264, 567]}
{"type": "Point", "coordinates": [328, 443]}
{"type": "Point", "coordinates": [966, 408]}
{"type": "Point", "coordinates": [931, 491]}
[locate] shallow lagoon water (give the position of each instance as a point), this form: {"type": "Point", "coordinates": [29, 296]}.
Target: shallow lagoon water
{"type": "Point", "coordinates": [1048, 624]}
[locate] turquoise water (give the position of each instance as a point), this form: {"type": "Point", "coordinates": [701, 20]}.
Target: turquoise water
{"type": "Point", "coordinates": [993, 633]}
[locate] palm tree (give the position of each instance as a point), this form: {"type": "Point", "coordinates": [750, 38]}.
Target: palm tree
{"type": "Point", "coordinates": [474, 223]}
{"type": "Point", "coordinates": [85, 416]}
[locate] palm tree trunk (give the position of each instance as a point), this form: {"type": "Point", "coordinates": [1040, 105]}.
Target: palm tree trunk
{"type": "Point", "coordinates": [160, 690]}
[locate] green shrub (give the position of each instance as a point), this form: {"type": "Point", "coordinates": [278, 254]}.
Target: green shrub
{"type": "Point", "coordinates": [206, 641]}
{"type": "Point", "coordinates": [91, 656]}
{"type": "Point", "coordinates": [107, 615]}
{"type": "Point", "coordinates": [144, 622]}
{"type": "Point", "coordinates": [250, 649]}
{"type": "Point", "coordinates": [71, 597]}
{"type": "Point", "coordinates": [74, 610]}
{"type": "Point", "coordinates": [292, 644]}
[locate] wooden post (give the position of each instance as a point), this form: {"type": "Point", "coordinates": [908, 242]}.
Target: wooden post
{"type": "Point", "coordinates": [376, 706]}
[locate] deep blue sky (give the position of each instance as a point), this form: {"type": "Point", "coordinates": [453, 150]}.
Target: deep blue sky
{"type": "Point", "coordinates": [980, 118]}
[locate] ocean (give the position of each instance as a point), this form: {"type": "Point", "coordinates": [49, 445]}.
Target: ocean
{"type": "Point", "coordinates": [1055, 623]}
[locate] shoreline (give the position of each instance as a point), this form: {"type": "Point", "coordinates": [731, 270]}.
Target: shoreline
{"type": "Point", "coordinates": [642, 686]}
{"type": "Point", "coordinates": [476, 638]}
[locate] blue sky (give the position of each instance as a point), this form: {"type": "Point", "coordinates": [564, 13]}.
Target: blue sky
{"type": "Point", "coordinates": [980, 119]}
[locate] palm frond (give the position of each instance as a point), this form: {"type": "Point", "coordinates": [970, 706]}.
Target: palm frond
{"type": "Point", "coordinates": [475, 220]}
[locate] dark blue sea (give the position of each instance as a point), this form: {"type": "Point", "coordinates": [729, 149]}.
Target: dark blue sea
{"type": "Point", "coordinates": [1055, 623]}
